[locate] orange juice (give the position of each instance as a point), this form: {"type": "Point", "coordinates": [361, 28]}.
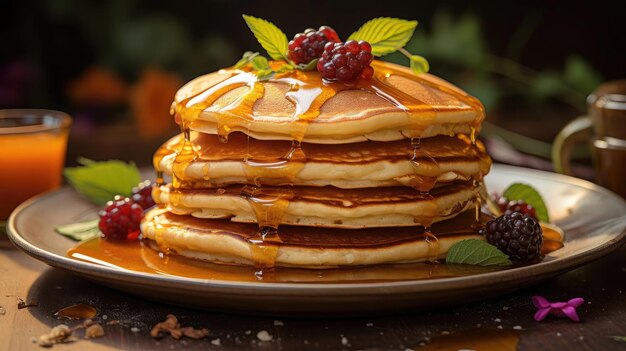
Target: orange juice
{"type": "Point", "coordinates": [32, 154]}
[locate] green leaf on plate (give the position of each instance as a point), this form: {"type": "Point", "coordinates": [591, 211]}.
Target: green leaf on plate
{"type": "Point", "coordinates": [385, 34]}
{"type": "Point", "coordinates": [272, 39]}
{"type": "Point", "coordinates": [529, 195]}
{"type": "Point", "coordinates": [618, 338]}
{"type": "Point", "coordinates": [101, 181]}
{"type": "Point", "coordinates": [79, 231]}
{"type": "Point", "coordinates": [476, 252]}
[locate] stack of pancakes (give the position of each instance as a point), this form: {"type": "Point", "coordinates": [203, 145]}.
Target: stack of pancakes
{"type": "Point", "coordinates": [297, 172]}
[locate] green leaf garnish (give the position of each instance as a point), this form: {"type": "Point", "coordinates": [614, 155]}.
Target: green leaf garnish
{"type": "Point", "coordinates": [272, 39]}
{"type": "Point", "coordinates": [101, 181]}
{"type": "Point", "coordinates": [309, 66]}
{"type": "Point", "coordinates": [79, 231]}
{"type": "Point", "coordinates": [476, 252]}
{"type": "Point", "coordinates": [529, 195]}
{"type": "Point", "coordinates": [248, 56]}
{"type": "Point", "coordinates": [260, 63]}
{"type": "Point", "coordinates": [385, 35]}
{"type": "Point", "coordinates": [418, 64]}
{"type": "Point", "coordinates": [618, 338]}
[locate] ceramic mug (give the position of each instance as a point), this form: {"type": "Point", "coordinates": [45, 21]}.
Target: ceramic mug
{"type": "Point", "coordinates": [604, 129]}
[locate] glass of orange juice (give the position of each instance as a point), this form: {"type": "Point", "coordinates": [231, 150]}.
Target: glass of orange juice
{"type": "Point", "coordinates": [32, 154]}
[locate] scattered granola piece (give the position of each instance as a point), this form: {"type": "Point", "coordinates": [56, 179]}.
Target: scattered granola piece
{"type": "Point", "coordinates": [263, 335]}
{"type": "Point", "coordinates": [134, 330]}
{"type": "Point", "coordinates": [216, 342]}
{"type": "Point", "coordinates": [94, 330]}
{"type": "Point", "coordinates": [23, 304]}
{"type": "Point", "coordinates": [344, 340]}
{"type": "Point", "coordinates": [172, 327]}
{"type": "Point", "coordinates": [517, 327]}
{"type": "Point", "coordinates": [196, 334]}
{"type": "Point", "coordinates": [59, 334]}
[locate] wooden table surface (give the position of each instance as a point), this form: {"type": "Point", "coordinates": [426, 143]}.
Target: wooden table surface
{"type": "Point", "coordinates": [496, 324]}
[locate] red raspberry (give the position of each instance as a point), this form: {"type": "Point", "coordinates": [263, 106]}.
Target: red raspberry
{"type": "Point", "coordinates": [120, 219]}
{"type": "Point", "coordinates": [346, 61]}
{"type": "Point", "coordinates": [309, 45]}
{"type": "Point", "coordinates": [508, 207]}
{"type": "Point", "coordinates": [142, 195]}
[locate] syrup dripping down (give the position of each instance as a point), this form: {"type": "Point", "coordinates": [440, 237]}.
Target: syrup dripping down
{"type": "Point", "coordinates": [309, 93]}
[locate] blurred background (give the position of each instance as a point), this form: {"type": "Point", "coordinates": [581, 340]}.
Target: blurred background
{"type": "Point", "coordinates": [115, 65]}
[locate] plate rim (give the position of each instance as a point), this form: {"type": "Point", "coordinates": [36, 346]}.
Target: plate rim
{"type": "Point", "coordinates": [543, 268]}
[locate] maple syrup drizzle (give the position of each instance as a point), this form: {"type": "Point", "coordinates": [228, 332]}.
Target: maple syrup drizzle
{"type": "Point", "coordinates": [308, 93]}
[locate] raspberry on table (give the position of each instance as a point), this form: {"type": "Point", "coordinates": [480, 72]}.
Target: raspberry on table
{"type": "Point", "coordinates": [508, 207]}
{"type": "Point", "coordinates": [120, 219]}
{"type": "Point", "coordinates": [346, 61]}
{"type": "Point", "coordinates": [309, 45]}
{"type": "Point", "coordinates": [142, 194]}
{"type": "Point", "coordinates": [517, 235]}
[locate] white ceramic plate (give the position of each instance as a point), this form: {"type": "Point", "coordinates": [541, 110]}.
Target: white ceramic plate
{"type": "Point", "coordinates": [593, 219]}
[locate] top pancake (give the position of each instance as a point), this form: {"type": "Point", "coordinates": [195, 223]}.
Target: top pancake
{"type": "Point", "coordinates": [393, 105]}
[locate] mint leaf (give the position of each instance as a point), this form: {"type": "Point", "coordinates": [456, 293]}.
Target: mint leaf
{"type": "Point", "coordinates": [272, 39]}
{"type": "Point", "coordinates": [308, 66]}
{"type": "Point", "coordinates": [529, 195]}
{"type": "Point", "coordinates": [618, 338]}
{"type": "Point", "coordinates": [385, 34]}
{"type": "Point", "coordinates": [260, 63]}
{"type": "Point", "coordinates": [101, 181]}
{"type": "Point", "coordinates": [476, 252]}
{"type": "Point", "coordinates": [418, 64]}
{"type": "Point", "coordinates": [79, 231]}
{"type": "Point", "coordinates": [248, 56]}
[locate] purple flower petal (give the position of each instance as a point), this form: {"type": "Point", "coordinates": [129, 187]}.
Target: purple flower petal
{"type": "Point", "coordinates": [575, 302]}
{"type": "Point", "coordinates": [540, 302]}
{"type": "Point", "coordinates": [541, 314]}
{"type": "Point", "coordinates": [558, 309]}
{"type": "Point", "coordinates": [571, 313]}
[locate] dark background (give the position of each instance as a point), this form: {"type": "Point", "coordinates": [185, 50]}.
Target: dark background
{"type": "Point", "coordinates": [530, 62]}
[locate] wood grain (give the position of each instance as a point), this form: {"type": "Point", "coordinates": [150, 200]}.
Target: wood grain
{"type": "Point", "coordinates": [602, 284]}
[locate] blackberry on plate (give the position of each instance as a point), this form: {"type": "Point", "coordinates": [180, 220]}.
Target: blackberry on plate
{"type": "Point", "coordinates": [517, 235]}
{"type": "Point", "coordinates": [142, 195]}
{"type": "Point", "coordinates": [508, 207]}
{"type": "Point", "coordinates": [309, 45]}
{"type": "Point", "coordinates": [346, 61]}
{"type": "Point", "coordinates": [120, 219]}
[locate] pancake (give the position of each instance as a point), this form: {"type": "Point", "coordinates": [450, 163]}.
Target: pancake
{"type": "Point", "coordinates": [227, 242]}
{"type": "Point", "coordinates": [393, 105]}
{"type": "Point", "coordinates": [321, 206]}
{"type": "Point", "coordinates": [244, 160]}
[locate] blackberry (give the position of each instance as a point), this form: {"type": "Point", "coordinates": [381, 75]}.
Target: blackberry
{"type": "Point", "coordinates": [508, 207]}
{"type": "Point", "coordinates": [120, 219]}
{"type": "Point", "coordinates": [309, 45]}
{"type": "Point", "coordinates": [518, 236]}
{"type": "Point", "coordinates": [346, 61]}
{"type": "Point", "coordinates": [142, 195]}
